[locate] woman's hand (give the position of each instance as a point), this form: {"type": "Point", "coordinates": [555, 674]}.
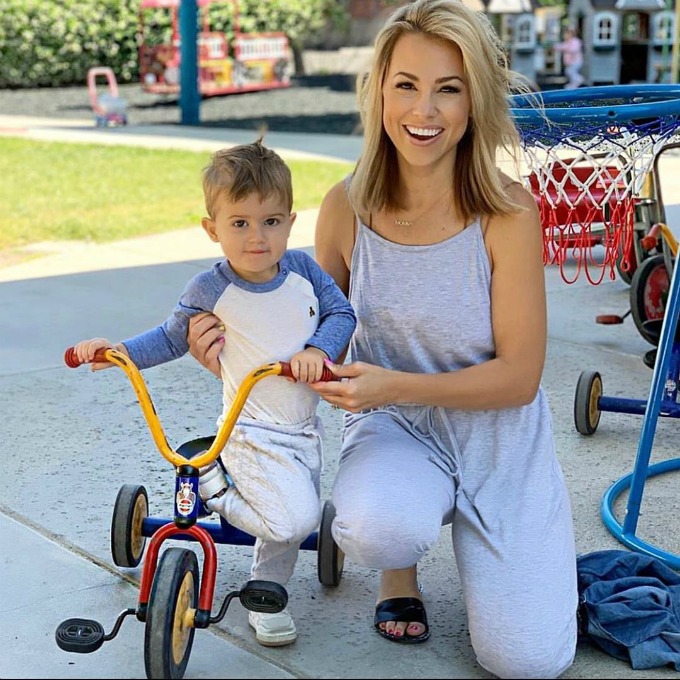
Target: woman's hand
{"type": "Point", "coordinates": [206, 339]}
{"type": "Point", "coordinates": [361, 386]}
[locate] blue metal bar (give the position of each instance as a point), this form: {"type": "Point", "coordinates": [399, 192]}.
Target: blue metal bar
{"type": "Point", "coordinates": [661, 366]}
{"type": "Point", "coordinates": [628, 538]}
{"type": "Point", "coordinates": [636, 406]}
{"type": "Point", "coordinates": [221, 533]}
{"type": "Point", "coordinates": [639, 101]}
{"type": "Point", "coordinates": [189, 97]}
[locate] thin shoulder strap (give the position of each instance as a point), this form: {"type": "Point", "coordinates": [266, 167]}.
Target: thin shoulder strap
{"type": "Point", "coordinates": [355, 217]}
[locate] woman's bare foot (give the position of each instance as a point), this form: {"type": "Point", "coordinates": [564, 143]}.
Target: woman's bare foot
{"type": "Point", "coordinates": [400, 583]}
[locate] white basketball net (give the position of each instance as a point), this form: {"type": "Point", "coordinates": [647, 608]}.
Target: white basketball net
{"type": "Point", "coordinates": [587, 180]}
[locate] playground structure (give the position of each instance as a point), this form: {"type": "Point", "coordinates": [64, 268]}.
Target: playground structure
{"type": "Point", "coordinates": [252, 61]}
{"type": "Point", "coordinates": [592, 158]}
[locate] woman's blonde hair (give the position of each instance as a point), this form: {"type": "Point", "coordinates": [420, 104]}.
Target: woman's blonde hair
{"type": "Point", "coordinates": [477, 189]}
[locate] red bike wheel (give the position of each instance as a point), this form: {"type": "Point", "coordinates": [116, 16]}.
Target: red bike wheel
{"type": "Point", "coordinates": [648, 293]}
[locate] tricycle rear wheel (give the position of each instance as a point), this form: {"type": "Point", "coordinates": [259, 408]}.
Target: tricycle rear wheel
{"type": "Point", "coordinates": [129, 512]}
{"type": "Point", "coordinates": [330, 559]}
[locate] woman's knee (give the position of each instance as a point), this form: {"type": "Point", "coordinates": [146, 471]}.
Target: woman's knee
{"type": "Point", "coordinates": [384, 541]}
{"type": "Point", "coordinates": [541, 657]}
{"type": "Point", "coordinates": [527, 668]}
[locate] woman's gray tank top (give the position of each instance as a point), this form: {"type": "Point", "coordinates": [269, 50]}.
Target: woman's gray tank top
{"type": "Point", "coordinates": [428, 309]}
{"type": "Point", "coordinates": [421, 308]}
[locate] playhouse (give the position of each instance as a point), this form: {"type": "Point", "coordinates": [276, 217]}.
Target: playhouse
{"type": "Point", "coordinates": [528, 32]}
{"type": "Point", "coordinates": [251, 61]}
{"type": "Point", "coordinates": [624, 41]}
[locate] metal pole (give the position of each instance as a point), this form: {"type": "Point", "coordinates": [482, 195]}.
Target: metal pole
{"type": "Point", "coordinates": [674, 61]}
{"type": "Point", "coordinates": [189, 97]}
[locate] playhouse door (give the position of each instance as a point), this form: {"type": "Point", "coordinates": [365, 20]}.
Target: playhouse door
{"type": "Point", "coordinates": [634, 47]}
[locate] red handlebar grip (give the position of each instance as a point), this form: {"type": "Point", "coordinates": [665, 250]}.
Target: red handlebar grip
{"type": "Point", "coordinates": [326, 375]}
{"type": "Point", "coordinates": [72, 361]}
{"type": "Point", "coordinates": [70, 358]}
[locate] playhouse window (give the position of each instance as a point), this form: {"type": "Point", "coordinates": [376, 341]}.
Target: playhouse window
{"type": "Point", "coordinates": [507, 28]}
{"type": "Point", "coordinates": [663, 28]}
{"type": "Point", "coordinates": [605, 27]}
{"type": "Point", "coordinates": [525, 34]}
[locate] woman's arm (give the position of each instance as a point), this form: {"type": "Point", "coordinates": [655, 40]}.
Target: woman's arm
{"type": "Point", "coordinates": [334, 236]}
{"type": "Point", "coordinates": [519, 320]}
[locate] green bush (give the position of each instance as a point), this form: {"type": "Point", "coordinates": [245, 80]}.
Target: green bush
{"type": "Point", "coordinates": [45, 44]}
{"type": "Point", "coordinates": [53, 43]}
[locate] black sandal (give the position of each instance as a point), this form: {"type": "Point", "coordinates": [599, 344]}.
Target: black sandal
{"type": "Point", "coordinates": [403, 609]}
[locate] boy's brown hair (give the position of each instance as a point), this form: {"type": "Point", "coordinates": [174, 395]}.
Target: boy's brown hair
{"type": "Point", "coordinates": [240, 171]}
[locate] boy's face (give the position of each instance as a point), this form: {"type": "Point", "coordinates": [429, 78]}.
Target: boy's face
{"type": "Point", "coordinates": [253, 234]}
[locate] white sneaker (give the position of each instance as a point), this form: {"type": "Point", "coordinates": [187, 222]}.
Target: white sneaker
{"type": "Point", "coordinates": [273, 630]}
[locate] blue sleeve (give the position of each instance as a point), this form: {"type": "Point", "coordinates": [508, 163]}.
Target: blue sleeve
{"type": "Point", "coordinates": [169, 340]}
{"type": "Point", "coordinates": [337, 319]}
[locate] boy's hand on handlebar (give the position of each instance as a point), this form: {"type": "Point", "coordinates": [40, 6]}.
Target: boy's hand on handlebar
{"type": "Point", "coordinates": [307, 366]}
{"type": "Point", "coordinates": [85, 351]}
{"type": "Point", "coordinates": [206, 339]}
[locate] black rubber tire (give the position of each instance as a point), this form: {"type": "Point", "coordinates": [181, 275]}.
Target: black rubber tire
{"type": "Point", "coordinates": [168, 639]}
{"type": "Point", "coordinates": [586, 409]}
{"type": "Point", "coordinates": [668, 257]}
{"type": "Point", "coordinates": [130, 510]}
{"type": "Point", "coordinates": [648, 292]}
{"type": "Point", "coordinates": [330, 559]}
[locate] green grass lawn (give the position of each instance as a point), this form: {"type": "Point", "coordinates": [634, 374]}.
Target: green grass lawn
{"type": "Point", "coordinates": [53, 191]}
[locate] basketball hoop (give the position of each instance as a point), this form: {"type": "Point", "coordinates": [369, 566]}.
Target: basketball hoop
{"type": "Point", "coordinates": [588, 152]}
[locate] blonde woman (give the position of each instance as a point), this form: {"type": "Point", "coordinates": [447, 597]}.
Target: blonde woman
{"type": "Point", "coordinates": [441, 257]}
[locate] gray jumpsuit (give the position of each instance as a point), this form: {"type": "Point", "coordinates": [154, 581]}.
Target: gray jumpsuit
{"type": "Point", "coordinates": [405, 470]}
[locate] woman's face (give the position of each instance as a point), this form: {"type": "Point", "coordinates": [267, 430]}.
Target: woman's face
{"type": "Point", "coordinates": [426, 100]}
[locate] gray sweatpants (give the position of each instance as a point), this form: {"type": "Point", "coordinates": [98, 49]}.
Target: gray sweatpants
{"type": "Point", "coordinates": [276, 472]}
{"type": "Point", "coordinates": [404, 473]}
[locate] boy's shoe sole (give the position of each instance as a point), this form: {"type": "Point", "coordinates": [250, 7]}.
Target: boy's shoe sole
{"type": "Point", "coordinates": [273, 630]}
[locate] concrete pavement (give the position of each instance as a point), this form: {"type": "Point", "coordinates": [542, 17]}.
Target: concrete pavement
{"type": "Point", "coordinates": [72, 438]}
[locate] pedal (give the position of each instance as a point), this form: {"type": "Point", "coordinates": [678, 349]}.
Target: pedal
{"type": "Point", "coordinates": [80, 635]}
{"type": "Point", "coordinates": [263, 596]}
{"type": "Point", "coordinates": [611, 319]}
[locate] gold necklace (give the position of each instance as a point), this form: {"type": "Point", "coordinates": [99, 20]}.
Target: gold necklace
{"type": "Point", "coordinates": [409, 223]}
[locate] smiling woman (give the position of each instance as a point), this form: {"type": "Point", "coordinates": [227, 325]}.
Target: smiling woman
{"type": "Point", "coordinates": [441, 256]}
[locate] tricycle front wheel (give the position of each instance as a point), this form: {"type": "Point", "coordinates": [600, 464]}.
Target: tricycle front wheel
{"type": "Point", "coordinates": [170, 630]}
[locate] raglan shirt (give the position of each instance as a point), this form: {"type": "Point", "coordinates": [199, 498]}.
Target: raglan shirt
{"type": "Point", "coordinates": [265, 322]}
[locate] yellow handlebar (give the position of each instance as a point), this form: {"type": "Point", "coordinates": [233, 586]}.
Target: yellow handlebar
{"type": "Point", "coordinates": [225, 429]}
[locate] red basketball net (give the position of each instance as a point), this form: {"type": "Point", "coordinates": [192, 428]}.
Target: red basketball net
{"type": "Point", "coordinates": [587, 179]}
